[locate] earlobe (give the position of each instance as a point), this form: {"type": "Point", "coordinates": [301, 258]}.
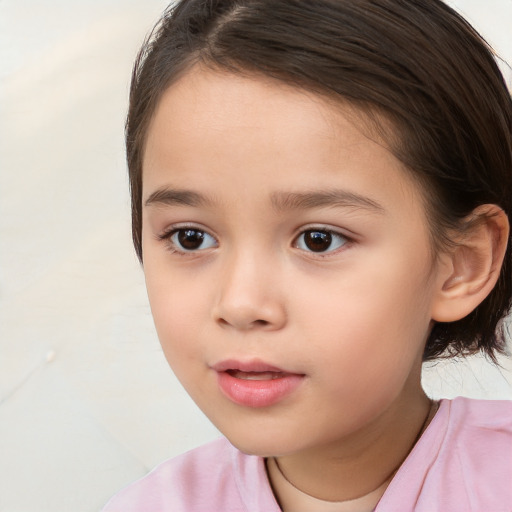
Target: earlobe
{"type": "Point", "coordinates": [469, 271]}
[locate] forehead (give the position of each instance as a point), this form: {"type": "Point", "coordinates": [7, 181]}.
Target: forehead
{"type": "Point", "coordinates": [204, 105]}
{"type": "Point", "coordinates": [258, 133]}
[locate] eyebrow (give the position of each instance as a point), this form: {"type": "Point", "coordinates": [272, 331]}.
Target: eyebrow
{"type": "Point", "coordinates": [177, 197]}
{"type": "Point", "coordinates": [282, 201]}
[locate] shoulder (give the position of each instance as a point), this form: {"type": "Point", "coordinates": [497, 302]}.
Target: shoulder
{"type": "Point", "coordinates": [479, 432]}
{"type": "Point", "coordinates": [462, 462]}
{"type": "Point", "coordinates": [495, 413]}
{"type": "Point", "coordinates": [476, 426]}
{"type": "Point", "coordinates": [195, 480]}
{"type": "Point", "coordinates": [473, 466]}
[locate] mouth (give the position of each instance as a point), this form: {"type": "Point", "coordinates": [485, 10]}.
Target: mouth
{"type": "Point", "coordinates": [255, 383]}
{"type": "Point", "coordinates": [238, 374]}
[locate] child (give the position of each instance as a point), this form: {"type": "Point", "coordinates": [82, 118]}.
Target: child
{"type": "Point", "coordinates": [321, 195]}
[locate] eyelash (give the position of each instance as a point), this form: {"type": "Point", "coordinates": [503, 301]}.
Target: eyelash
{"type": "Point", "coordinates": [333, 234]}
{"type": "Point", "coordinates": [172, 246]}
{"type": "Point", "coordinates": [167, 237]}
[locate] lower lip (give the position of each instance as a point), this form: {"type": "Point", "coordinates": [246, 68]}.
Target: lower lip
{"type": "Point", "coordinates": [258, 393]}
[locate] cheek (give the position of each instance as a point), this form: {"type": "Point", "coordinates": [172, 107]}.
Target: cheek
{"type": "Point", "coordinates": [371, 323]}
{"type": "Point", "coordinates": [176, 306]}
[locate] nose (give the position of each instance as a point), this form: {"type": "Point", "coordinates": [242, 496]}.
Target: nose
{"type": "Point", "coordinates": [249, 296]}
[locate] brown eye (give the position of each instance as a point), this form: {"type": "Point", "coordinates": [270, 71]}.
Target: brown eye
{"type": "Point", "coordinates": [316, 240]}
{"type": "Point", "coordinates": [189, 239]}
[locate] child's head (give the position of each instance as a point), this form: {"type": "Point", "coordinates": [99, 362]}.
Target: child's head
{"type": "Point", "coordinates": [411, 74]}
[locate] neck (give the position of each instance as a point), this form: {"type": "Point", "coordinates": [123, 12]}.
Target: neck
{"type": "Point", "coordinates": [361, 462]}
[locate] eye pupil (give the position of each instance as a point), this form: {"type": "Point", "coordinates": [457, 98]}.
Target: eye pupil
{"type": "Point", "coordinates": [190, 239]}
{"type": "Point", "coordinates": [317, 241]}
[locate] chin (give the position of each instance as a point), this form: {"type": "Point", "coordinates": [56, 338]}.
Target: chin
{"type": "Point", "coordinates": [262, 443]}
{"type": "Point", "coordinates": [259, 449]}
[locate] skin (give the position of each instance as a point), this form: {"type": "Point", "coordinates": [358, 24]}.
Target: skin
{"type": "Point", "coordinates": [352, 321]}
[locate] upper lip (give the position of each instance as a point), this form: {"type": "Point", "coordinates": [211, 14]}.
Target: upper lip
{"type": "Point", "coordinates": [254, 365]}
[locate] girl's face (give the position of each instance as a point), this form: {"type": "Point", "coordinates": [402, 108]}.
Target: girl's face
{"type": "Point", "coordinates": [287, 261]}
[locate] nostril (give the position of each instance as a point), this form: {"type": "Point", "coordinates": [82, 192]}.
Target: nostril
{"type": "Point", "coordinates": [255, 324]}
{"type": "Point", "coordinates": [245, 315]}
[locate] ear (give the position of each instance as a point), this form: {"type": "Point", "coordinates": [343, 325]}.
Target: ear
{"type": "Point", "coordinates": [468, 272]}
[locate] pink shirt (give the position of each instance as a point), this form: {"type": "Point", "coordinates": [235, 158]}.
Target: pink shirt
{"type": "Point", "coordinates": [462, 463]}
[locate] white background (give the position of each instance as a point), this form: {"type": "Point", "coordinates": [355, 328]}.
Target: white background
{"type": "Point", "coordinates": [87, 402]}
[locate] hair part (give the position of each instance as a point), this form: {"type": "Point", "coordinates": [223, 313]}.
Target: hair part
{"type": "Point", "coordinates": [415, 65]}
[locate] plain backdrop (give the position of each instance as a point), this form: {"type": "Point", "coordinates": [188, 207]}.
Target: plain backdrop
{"type": "Point", "coordinates": [87, 402]}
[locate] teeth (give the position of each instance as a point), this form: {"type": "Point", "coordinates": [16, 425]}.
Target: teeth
{"type": "Point", "coordinates": [255, 375]}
